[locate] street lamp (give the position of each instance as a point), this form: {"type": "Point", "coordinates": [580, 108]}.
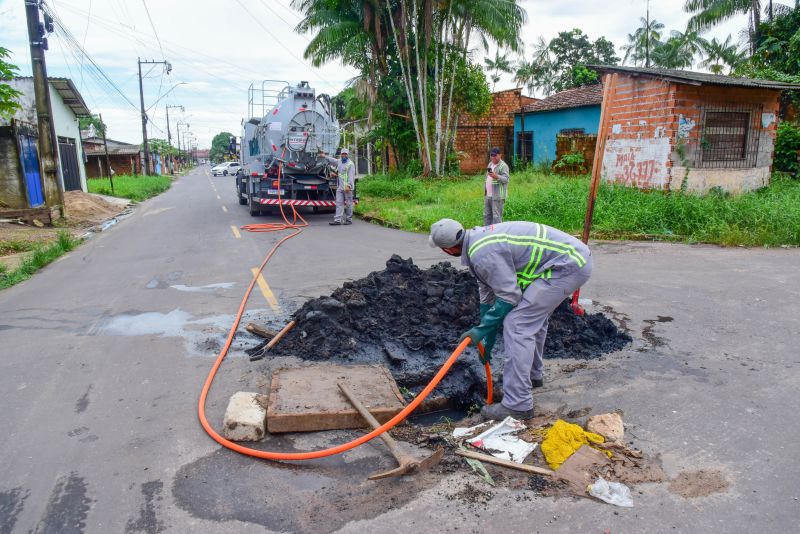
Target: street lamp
{"type": "Point", "coordinates": [165, 94]}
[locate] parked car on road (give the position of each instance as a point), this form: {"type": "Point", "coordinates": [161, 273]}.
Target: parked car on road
{"type": "Point", "coordinates": [228, 168]}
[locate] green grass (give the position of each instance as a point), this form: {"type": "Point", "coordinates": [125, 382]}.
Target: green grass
{"type": "Point", "coordinates": [136, 188]}
{"type": "Point", "coordinates": [42, 256]}
{"type": "Point", "coordinates": [14, 246]}
{"type": "Point", "coordinates": [769, 217]}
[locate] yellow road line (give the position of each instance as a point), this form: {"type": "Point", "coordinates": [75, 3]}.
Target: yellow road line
{"type": "Point", "coordinates": [224, 209]}
{"type": "Point", "coordinates": [266, 291]}
{"type": "Point", "coordinates": [235, 231]}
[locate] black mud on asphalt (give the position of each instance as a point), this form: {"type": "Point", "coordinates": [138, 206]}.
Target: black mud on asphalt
{"type": "Point", "coordinates": [410, 319]}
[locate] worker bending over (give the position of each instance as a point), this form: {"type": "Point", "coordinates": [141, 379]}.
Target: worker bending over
{"type": "Point", "coordinates": [524, 271]}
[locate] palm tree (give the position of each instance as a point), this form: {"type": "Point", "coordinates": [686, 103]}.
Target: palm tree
{"type": "Point", "coordinates": [709, 13]}
{"type": "Point", "coordinates": [720, 54]}
{"type": "Point", "coordinates": [539, 73]}
{"type": "Point", "coordinates": [679, 51]}
{"type": "Point", "coordinates": [643, 41]}
{"type": "Point", "coordinates": [496, 66]}
{"type": "Point", "coordinates": [671, 54]}
{"type": "Point", "coordinates": [526, 75]}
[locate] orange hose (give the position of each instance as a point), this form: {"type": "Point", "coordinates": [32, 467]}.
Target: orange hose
{"type": "Point", "coordinates": [269, 455]}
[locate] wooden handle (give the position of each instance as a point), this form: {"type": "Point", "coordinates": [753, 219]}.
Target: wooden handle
{"type": "Point", "coordinates": [260, 331]}
{"type": "Point", "coordinates": [505, 463]}
{"type": "Point", "coordinates": [280, 334]}
{"type": "Point", "coordinates": [389, 440]}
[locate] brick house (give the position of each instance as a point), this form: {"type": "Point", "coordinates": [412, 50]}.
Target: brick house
{"type": "Point", "coordinates": [682, 130]}
{"type": "Point", "coordinates": [475, 135]}
{"type": "Point", "coordinates": [125, 158]}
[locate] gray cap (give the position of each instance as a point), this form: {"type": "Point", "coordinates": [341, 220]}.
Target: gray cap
{"type": "Point", "coordinates": [343, 151]}
{"type": "Point", "coordinates": [446, 233]}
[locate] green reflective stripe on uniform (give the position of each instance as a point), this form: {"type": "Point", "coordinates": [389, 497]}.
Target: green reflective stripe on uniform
{"type": "Point", "coordinates": [529, 241]}
{"type": "Point", "coordinates": [537, 252]}
{"type": "Point", "coordinates": [523, 282]}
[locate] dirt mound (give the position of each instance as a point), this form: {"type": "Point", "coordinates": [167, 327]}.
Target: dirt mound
{"type": "Point", "coordinates": [411, 319]}
{"type": "Point", "coordinates": [85, 208]}
{"type": "Point", "coordinates": [702, 483]}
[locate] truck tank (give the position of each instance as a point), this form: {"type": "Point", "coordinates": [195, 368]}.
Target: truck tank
{"type": "Point", "coordinates": [287, 125]}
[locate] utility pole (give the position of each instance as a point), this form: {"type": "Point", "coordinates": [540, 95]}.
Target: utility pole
{"type": "Point", "coordinates": [53, 188]}
{"type": "Point", "coordinates": [169, 137]}
{"type": "Point", "coordinates": [178, 129]}
{"type": "Point", "coordinates": [647, 38]}
{"type": "Point", "coordinates": [108, 160]}
{"type": "Point", "coordinates": [168, 68]}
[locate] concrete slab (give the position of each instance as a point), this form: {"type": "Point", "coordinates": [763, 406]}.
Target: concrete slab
{"type": "Point", "coordinates": [244, 417]}
{"type": "Point", "coordinates": [308, 398]}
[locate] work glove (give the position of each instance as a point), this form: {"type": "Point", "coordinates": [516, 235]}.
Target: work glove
{"type": "Point", "coordinates": [490, 320]}
{"type": "Point", "coordinates": [489, 340]}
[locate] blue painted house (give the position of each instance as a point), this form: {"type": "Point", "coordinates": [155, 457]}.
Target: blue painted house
{"type": "Point", "coordinates": [574, 111]}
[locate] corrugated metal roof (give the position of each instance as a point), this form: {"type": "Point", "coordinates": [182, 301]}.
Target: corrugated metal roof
{"type": "Point", "coordinates": [695, 78]}
{"type": "Point", "coordinates": [588, 95]}
{"type": "Point", "coordinates": [69, 94]}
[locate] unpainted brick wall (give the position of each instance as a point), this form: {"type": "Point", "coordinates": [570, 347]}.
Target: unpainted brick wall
{"type": "Point", "coordinates": [570, 144]}
{"type": "Point", "coordinates": [640, 130]}
{"type": "Point", "coordinates": [475, 135]}
{"type": "Point", "coordinates": [654, 131]}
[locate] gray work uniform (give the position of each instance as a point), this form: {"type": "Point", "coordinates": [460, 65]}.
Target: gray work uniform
{"type": "Point", "coordinates": [495, 194]}
{"type": "Point", "coordinates": [534, 267]}
{"type": "Point", "coordinates": [346, 177]}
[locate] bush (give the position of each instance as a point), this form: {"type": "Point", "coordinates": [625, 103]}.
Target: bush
{"type": "Point", "coordinates": [787, 149]}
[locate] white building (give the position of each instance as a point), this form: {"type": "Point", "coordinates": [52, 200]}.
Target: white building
{"type": "Point", "coordinates": [68, 105]}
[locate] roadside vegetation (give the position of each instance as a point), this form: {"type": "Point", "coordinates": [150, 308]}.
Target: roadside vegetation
{"type": "Point", "coordinates": [41, 255]}
{"type": "Point", "coordinates": [136, 188]}
{"type": "Point", "coordinates": [769, 217]}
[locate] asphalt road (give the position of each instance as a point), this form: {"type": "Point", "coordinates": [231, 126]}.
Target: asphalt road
{"type": "Point", "coordinates": [104, 353]}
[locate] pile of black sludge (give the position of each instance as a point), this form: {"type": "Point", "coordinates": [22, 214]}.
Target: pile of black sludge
{"type": "Point", "coordinates": [410, 320]}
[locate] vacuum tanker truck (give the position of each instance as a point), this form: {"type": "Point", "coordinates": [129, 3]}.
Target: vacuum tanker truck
{"type": "Point", "coordinates": [287, 125]}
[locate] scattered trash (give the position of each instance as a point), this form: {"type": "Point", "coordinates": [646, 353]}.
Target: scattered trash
{"type": "Point", "coordinates": [501, 442]}
{"type": "Point", "coordinates": [582, 467]}
{"type": "Point", "coordinates": [630, 466]}
{"type": "Point", "coordinates": [563, 439]}
{"type": "Point", "coordinates": [608, 425]}
{"type": "Point", "coordinates": [480, 469]}
{"type": "Point", "coordinates": [463, 432]}
{"type": "Point", "coordinates": [505, 463]}
{"type": "Point", "coordinates": [611, 492]}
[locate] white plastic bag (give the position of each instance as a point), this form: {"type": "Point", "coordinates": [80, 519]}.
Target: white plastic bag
{"type": "Point", "coordinates": [501, 442]}
{"type": "Point", "coordinates": [611, 492]}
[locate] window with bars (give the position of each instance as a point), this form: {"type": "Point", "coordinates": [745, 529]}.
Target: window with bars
{"type": "Point", "coordinates": [729, 136]}
{"type": "Point", "coordinates": [525, 146]}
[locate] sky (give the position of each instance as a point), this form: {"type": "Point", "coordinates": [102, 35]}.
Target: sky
{"type": "Point", "coordinates": [218, 48]}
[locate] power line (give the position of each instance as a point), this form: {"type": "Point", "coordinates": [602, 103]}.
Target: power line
{"type": "Point", "coordinates": [154, 28]}
{"type": "Point", "coordinates": [288, 50]}
{"type": "Point", "coordinates": [85, 34]}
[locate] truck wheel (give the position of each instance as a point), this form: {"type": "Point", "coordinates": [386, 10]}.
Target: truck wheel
{"type": "Point", "coordinates": [253, 208]}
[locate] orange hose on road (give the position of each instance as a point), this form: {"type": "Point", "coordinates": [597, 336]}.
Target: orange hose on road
{"type": "Point", "coordinates": [269, 455]}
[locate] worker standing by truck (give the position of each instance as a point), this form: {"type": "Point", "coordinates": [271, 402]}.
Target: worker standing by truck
{"type": "Point", "coordinates": [345, 184]}
{"type": "Point", "coordinates": [524, 271]}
